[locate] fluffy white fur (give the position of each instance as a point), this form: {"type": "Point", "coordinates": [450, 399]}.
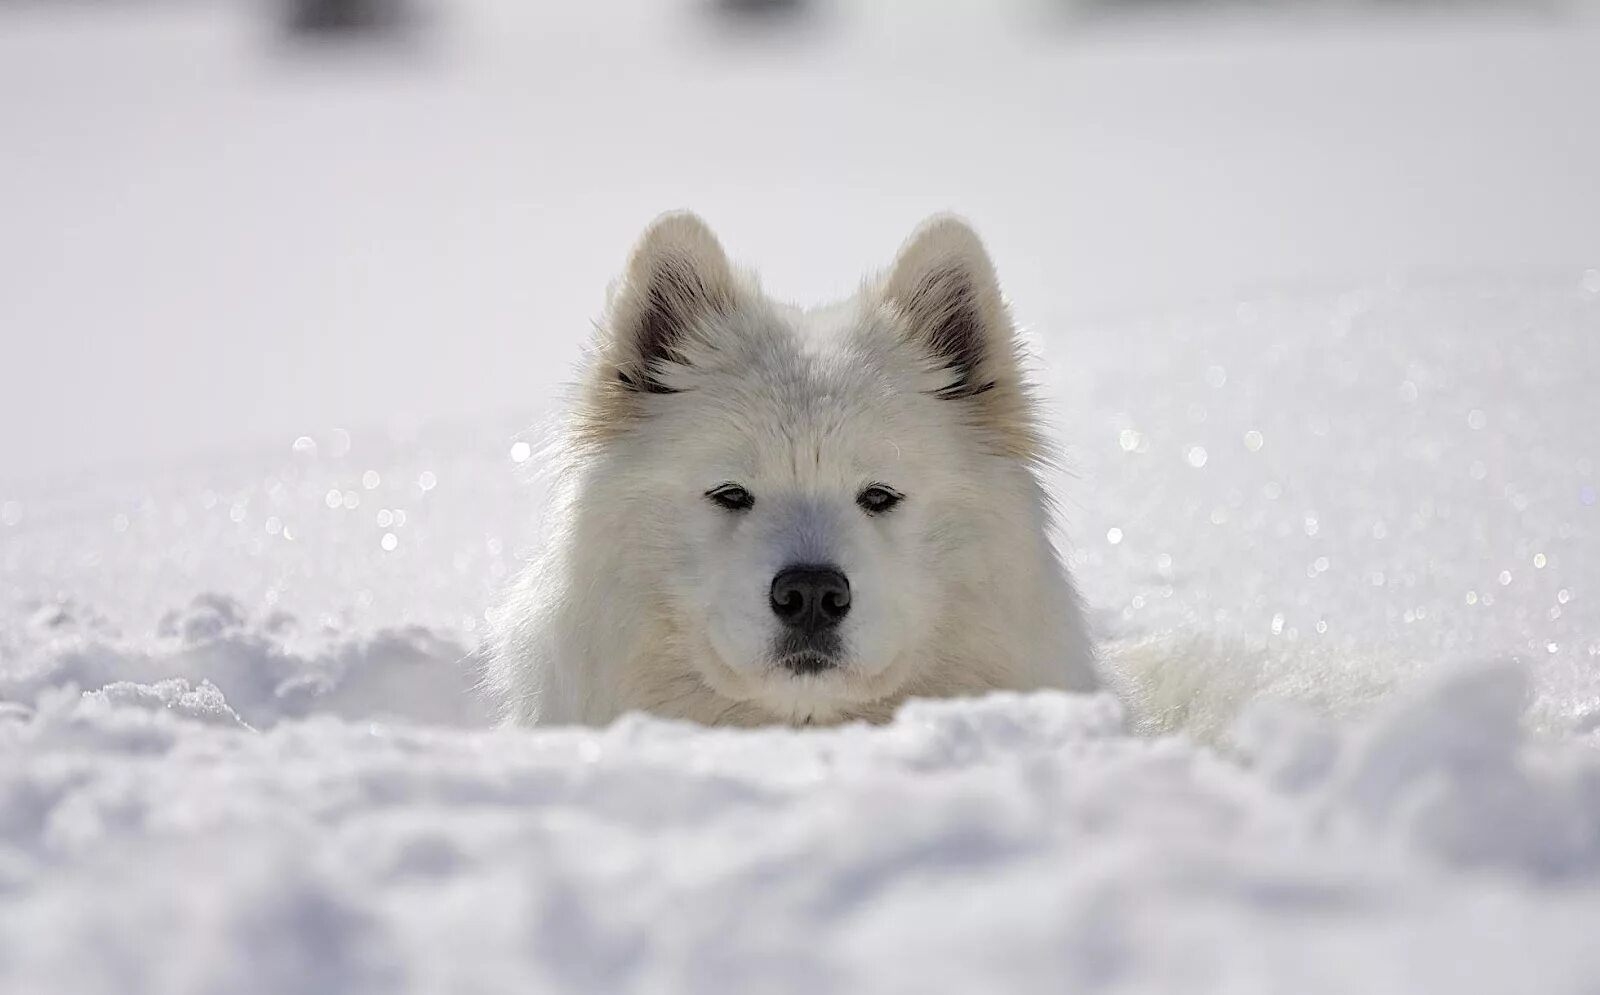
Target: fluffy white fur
{"type": "Point", "coordinates": [1200, 684]}
{"type": "Point", "coordinates": [649, 596]}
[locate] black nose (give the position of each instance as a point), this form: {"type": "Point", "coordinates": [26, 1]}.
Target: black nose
{"type": "Point", "coordinates": [810, 598]}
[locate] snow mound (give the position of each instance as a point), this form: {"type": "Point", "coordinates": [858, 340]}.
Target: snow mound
{"type": "Point", "coordinates": [1018, 843]}
{"type": "Point", "coordinates": [201, 704]}
{"type": "Point", "coordinates": [1448, 773]}
{"type": "Point", "coordinates": [268, 668]}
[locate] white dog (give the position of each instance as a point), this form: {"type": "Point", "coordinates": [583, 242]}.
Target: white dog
{"type": "Point", "coordinates": [768, 514]}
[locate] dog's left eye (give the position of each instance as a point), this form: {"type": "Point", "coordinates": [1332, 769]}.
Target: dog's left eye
{"type": "Point", "coordinates": [732, 497]}
{"type": "Point", "coordinates": [877, 499]}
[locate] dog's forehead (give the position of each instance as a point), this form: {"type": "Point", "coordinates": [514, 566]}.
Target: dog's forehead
{"type": "Point", "coordinates": [823, 413]}
{"type": "Point", "coordinates": [818, 367]}
{"type": "Point", "coordinates": [809, 397]}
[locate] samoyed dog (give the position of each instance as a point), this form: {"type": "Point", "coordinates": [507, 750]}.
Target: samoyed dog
{"type": "Point", "coordinates": [771, 514]}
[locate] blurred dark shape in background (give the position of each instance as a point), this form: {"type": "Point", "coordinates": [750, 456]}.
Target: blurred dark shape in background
{"type": "Point", "coordinates": [772, 18]}
{"type": "Point", "coordinates": [762, 10]}
{"type": "Point", "coordinates": [349, 19]}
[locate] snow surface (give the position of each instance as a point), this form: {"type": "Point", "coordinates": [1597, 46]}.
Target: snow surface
{"type": "Point", "coordinates": [1341, 539]}
{"type": "Point", "coordinates": [1019, 844]}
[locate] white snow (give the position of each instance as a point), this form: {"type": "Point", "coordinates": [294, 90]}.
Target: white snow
{"type": "Point", "coordinates": [1340, 533]}
{"type": "Point", "coordinates": [1019, 844]}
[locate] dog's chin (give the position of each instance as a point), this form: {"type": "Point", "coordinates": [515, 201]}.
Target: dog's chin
{"type": "Point", "coordinates": [809, 663]}
{"type": "Point", "coordinates": [789, 683]}
{"type": "Point", "coordinates": [803, 683]}
{"type": "Point", "coordinates": [812, 687]}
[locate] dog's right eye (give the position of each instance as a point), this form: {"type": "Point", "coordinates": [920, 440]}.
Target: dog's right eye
{"type": "Point", "coordinates": [732, 497]}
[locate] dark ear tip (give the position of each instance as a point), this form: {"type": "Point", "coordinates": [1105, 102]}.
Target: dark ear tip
{"type": "Point", "coordinates": [963, 389]}
{"type": "Point", "coordinates": [645, 384]}
{"type": "Point", "coordinates": [944, 288]}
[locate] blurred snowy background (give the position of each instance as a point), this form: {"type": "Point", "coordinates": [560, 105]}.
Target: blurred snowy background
{"type": "Point", "coordinates": [288, 290]}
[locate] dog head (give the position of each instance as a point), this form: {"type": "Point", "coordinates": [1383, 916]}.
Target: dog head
{"type": "Point", "coordinates": [807, 500]}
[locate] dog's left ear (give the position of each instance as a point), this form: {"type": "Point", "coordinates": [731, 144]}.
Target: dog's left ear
{"type": "Point", "coordinates": [945, 287]}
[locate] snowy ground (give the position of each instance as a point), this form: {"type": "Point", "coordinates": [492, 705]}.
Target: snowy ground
{"type": "Point", "coordinates": [238, 748]}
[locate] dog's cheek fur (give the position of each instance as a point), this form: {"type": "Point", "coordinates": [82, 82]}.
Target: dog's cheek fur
{"type": "Point", "coordinates": [733, 592]}
{"type": "Point", "coordinates": [895, 598]}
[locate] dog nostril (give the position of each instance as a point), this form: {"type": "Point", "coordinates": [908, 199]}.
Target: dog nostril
{"type": "Point", "coordinates": [810, 597]}
{"type": "Point", "coordinates": [836, 603]}
{"type": "Point", "coordinates": [788, 602]}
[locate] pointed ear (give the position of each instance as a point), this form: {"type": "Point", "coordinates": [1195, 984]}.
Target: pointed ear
{"type": "Point", "coordinates": [677, 279]}
{"type": "Point", "coordinates": [944, 286]}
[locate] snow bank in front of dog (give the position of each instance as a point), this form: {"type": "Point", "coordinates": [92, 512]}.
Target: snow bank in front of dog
{"type": "Point", "coordinates": [269, 668]}
{"type": "Point", "coordinates": [1018, 843]}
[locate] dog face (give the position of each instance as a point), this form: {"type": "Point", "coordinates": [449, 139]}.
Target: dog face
{"type": "Point", "coordinates": [806, 495]}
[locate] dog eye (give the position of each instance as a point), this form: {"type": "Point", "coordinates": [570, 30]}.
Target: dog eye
{"type": "Point", "coordinates": [877, 499]}
{"type": "Point", "coordinates": [732, 497]}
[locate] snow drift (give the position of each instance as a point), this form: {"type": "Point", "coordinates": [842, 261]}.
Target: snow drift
{"type": "Point", "coordinates": [1016, 843]}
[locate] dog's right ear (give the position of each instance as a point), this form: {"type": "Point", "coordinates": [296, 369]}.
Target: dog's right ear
{"type": "Point", "coordinates": [677, 280]}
